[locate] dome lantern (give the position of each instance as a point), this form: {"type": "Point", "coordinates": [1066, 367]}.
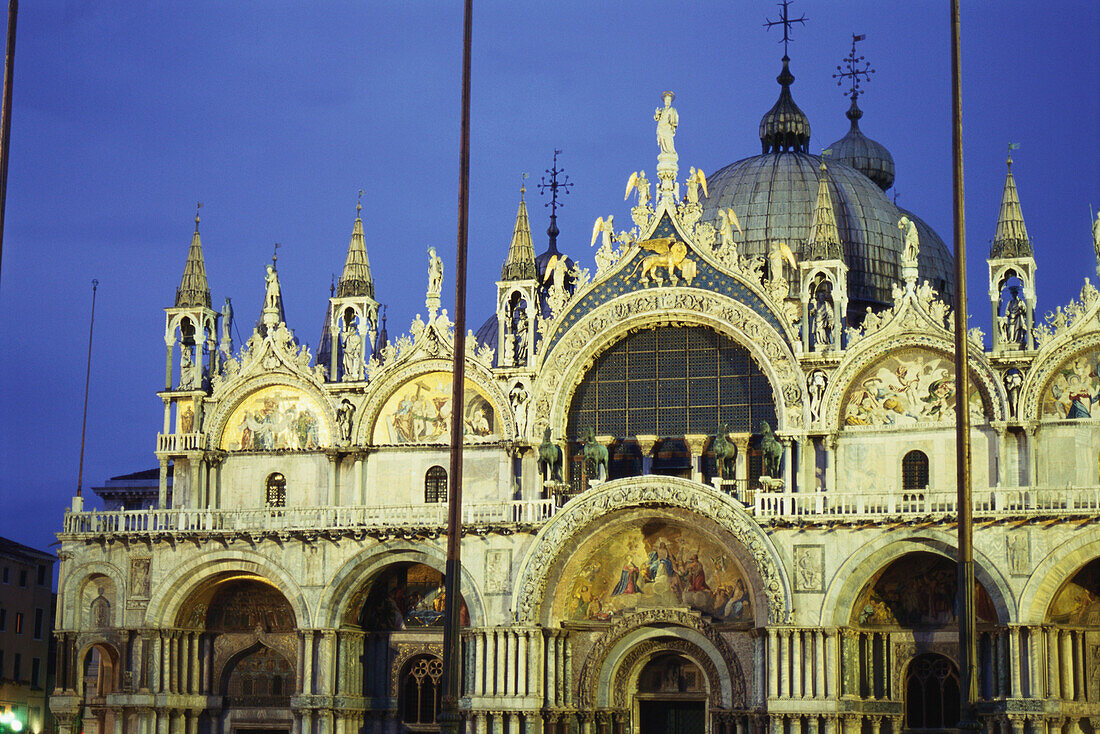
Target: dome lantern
{"type": "Point", "coordinates": [785, 126]}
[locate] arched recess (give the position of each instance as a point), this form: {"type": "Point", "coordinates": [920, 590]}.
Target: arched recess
{"type": "Point", "coordinates": [586, 514]}
{"type": "Point", "coordinates": [1053, 571]}
{"type": "Point", "coordinates": [389, 385]}
{"type": "Point", "coordinates": [861, 361]}
{"type": "Point", "coordinates": [575, 352]}
{"type": "Point", "coordinates": [860, 567]}
{"type": "Point", "coordinates": [104, 656]}
{"type": "Point", "coordinates": [77, 584]}
{"type": "Point", "coordinates": [169, 596]}
{"type": "Point", "coordinates": [242, 409]}
{"type": "Point", "coordinates": [624, 648]}
{"type": "Point", "coordinates": [343, 592]}
{"type": "Point", "coordinates": [1064, 384]}
{"type": "Point", "coordinates": [1078, 338]}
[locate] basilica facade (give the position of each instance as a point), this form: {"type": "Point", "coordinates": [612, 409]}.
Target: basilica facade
{"type": "Point", "coordinates": [709, 485]}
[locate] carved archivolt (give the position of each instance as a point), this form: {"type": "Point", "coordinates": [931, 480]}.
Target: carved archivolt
{"type": "Point", "coordinates": [1039, 377]}
{"type": "Point", "coordinates": [393, 381]}
{"type": "Point", "coordinates": [574, 354]}
{"type": "Point", "coordinates": [860, 358]}
{"type": "Point", "coordinates": [557, 539]}
{"type": "Point", "coordinates": [597, 656]}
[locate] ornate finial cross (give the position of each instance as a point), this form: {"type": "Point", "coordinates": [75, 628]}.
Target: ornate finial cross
{"type": "Point", "coordinates": [359, 203]}
{"type": "Point", "coordinates": [275, 254]}
{"type": "Point", "coordinates": [854, 68]}
{"type": "Point", "coordinates": [198, 205]}
{"type": "Point", "coordinates": [554, 185]}
{"type": "Point", "coordinates": [523, 185]}
{"type": "Point", "coordinates": [1011, 147]}
{"type": "Point", "coordinates": [786, 21]}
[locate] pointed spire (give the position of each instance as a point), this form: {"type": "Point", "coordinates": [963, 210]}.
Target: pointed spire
{"type": "Point", "coordinates": [356, 279]}
{"type": "Point", "coordinates": [824, 240]}
{"type": "Point", "coordinates": [520, 264]}
{"type": "Point", "coordinates": [1010, 239]}
{"type": "Point", "coordinates": [194, 290]}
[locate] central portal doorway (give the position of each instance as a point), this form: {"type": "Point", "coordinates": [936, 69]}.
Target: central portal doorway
{"type": "Point", "coordinates": [671, 697]}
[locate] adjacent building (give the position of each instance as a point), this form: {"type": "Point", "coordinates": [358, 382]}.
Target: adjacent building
{"type": "Point", "coordinates": [26, 630]}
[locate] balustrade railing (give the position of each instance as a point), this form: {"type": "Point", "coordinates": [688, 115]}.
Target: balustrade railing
{"type": "Point", "coordinates": [307, 518]}
{"type": "Point", "coordinates": [181, 441]}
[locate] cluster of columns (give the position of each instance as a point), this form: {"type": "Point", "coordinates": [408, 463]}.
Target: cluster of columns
{"type": "Point", "coordinates": [801, 663]}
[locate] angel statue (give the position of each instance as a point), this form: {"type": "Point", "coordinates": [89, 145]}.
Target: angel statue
{"type": "Point", "coordinates": [696, 178]}
{"type": "Point", "coordinates": [606, 226]}
{"type": "Point", "coordinates": [912, 242]}
{"type": "Point", "coordinates": [727, 220]}
{"type": "Point", "coordinates": [778, 252]}
{"type": "Point", "coordinates": [640, 184]}
{"type": "Point", "coordinates": [667, 120]}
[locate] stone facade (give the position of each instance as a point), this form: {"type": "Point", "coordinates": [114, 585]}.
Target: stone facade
{"type": "Point", "coordinates": [293, 580]}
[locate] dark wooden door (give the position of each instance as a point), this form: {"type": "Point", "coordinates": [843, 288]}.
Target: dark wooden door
{"type": "Point", "coordinates": [672, 717]}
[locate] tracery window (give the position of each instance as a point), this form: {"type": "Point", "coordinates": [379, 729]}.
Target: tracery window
{"type": "Point", "coordinates": [914, 470]}
{"type": "Point", "coordinates": [276, 490]}
{"type": "Point", "coordinates": [435, 485]}
{"type": "Point", "coordinates": [931, 693]}
{"type": "Point", "coordinates": [420, 691]}
{"type": "Point", "coordinates": [671, 381]}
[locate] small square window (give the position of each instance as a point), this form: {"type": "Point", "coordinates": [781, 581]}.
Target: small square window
{"type": "Point", "coordinates": [7, 571]}
{"type": "Point", "coordinates": [23, 577]}
{"type": "Point", "coordinates": [19, 623]}
{"type": "Point", "coordinates": [38, 615]}
{"type": "Point", "coordinates": [42, 574]}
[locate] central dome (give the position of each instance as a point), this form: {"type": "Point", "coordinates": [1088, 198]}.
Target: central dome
{"type": "Point", "coordinates": [774, 196]}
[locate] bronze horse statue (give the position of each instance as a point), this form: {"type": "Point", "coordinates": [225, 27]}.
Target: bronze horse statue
{"type": "Point", "coordinates": [772, 450]}
{"type": "Point", "coordinates": [550, 458]}
{"type": "Point", "coordinates": [725, 453]}
{"type": "Point", "coordinates": [595, 453]}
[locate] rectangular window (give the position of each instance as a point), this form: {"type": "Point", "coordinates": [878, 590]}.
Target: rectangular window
{"type": "Point", "coordinates": [19, 623]}
{"type": "Point", "coordinates": [3, 619]}
{"type": "Point", "coordinates": [36, 668]}
{"type": "Point", "coordinates": [18, 663]}
{"type": "Point", "coordinates": [38, 614]}
{"type": "Point", "coordinates": [23, 577]}
{"type": "Point", "coordinates": [42, 574]}
{"type": "Point", "coordinates": [1, 665]}
{"type": "Point", "coordinates": [6, 572]}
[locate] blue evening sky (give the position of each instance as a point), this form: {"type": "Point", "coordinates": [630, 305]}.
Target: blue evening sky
{"type": "Point", "coordinates": [275, 114]}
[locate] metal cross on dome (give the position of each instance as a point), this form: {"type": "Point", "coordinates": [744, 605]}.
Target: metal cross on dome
{"type": "Point", "coordinates": [554, 185]}
{"type": "Point", "coordinates": [786, 21]}
{"type": "Point", "coordinates": [854, 68]}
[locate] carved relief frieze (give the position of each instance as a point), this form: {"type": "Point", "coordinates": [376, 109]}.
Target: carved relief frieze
{"type": "Point", "coordinates": [557, 539]}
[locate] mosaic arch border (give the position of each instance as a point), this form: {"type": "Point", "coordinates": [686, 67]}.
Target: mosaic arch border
{"type": "Point", "coordinates": [1039, 377]}
{"type": "Point", "coordinates": [341, 586]}
{"type": "Point", "coordinates": [77, 579]}
{"type": "Point", "coordinates": [621, 649]}
{"type": "Point", "coordinates": [866, 354]}
{"type": "Point", "coordinates": [229, 403]}
{"type": "Point", "coordinates": [184, 579]}
{"type": "Point", "coordinates": [391, 383]}
{"type": "Point", "coordinates": [1053, 571]}
{"type": "Point", "coordinates": [555, 540]}
{"type": "Point", "coordinates": [848, 580]}
{"type": "Point", "coordinates": [565, 366]}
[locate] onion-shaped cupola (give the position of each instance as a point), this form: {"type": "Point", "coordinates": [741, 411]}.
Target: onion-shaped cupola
{"type": "Point", "coordinates": [785, 126]}
{"type": "Point", "coordinates": [867, 156]}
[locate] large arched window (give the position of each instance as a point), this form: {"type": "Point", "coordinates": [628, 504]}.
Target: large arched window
{"type": "Point", "coordinates": [931, 693]}
{"type": "Point", "coordinates": [435, 485]}
{"type": "Point", "coordinates": [420, 692]}
{"type": "Point", "coordinates": [276, 490]}
{"type": "Point", "coordinates": [914, 470]}
{"type": "Point", "coordinates": [671, 381]}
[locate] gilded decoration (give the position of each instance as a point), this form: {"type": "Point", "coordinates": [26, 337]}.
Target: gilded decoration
{"type": "Point", "coordinates": [566, 365]}
{"type": "Point", "coordinates": [655, 563]}
{"type": "Point", "coordinates": [917, 590]}
{"type": "Point", "coordinates": [406, 596]}
{"type": "Point", "coordinates": [277, 418]}
{"type": "Point", "coordinates": [1074, 390]}
{"type": "Point", "coordinates": [556, 542]}
{"type": "Point", "coordinates": [1077, 603]}
{"type": "Point", "coordinates": [596, 659]}
{"type": "Point", "coordinates": [420, 411]}
{"type": "Point", "coordinates": [908, 387]}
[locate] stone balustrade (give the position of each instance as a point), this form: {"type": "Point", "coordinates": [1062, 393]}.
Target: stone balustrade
{"type": "Point", "coordinates": [312, 519]}
{"type": "Point", "coordinates": [177, 442]}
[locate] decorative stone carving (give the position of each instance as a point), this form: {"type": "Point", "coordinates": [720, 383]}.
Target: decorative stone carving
{"type": "Point", "coordinates": [809, 568]}
{"type": "Point", "coordinates": [557, 537]}
{"type": "Point", "coordinates": [139, 577]}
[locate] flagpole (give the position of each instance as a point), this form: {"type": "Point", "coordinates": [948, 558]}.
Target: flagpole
{"type": "Point", "coordinates": [87, 379]}
{"type": "Point", "coordinates": [968, 690]}
{"type": "Point", "coordinates": [450, 718]}
{"type": "Point", "coordinates": [5, 116]}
